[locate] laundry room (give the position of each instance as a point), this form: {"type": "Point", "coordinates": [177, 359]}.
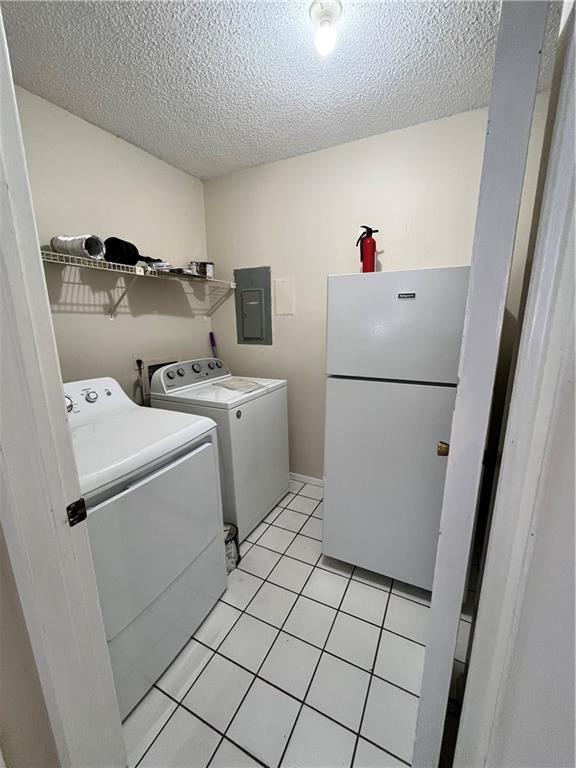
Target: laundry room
{"type": "Point", "coordinates": [280, 257]}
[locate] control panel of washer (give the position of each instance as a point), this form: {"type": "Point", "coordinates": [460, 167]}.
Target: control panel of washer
{"type": "Point", "coordinates": [190, 372]}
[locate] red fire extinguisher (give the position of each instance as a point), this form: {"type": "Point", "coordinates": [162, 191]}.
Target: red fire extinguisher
{"type": "Point", "coordinates": [367, 249]}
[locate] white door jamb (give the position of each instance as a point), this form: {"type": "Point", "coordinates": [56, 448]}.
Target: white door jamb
{"type": "Point", "coordinates": [545, 346]}
{"type": "Point", "coordinates": [515, 78]}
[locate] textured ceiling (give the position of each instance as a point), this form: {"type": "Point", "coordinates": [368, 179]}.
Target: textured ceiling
{"type": "Point", "coordinates": [213, 86]}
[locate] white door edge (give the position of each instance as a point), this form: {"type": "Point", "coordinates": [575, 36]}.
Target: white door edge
{"type": "Point", "coordinates": [545, 346]}
{"type": "Point", "coordinates": [51, 562]}
{"type": "Point", "coordinates": [514, 85]}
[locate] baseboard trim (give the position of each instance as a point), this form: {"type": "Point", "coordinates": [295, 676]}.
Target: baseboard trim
{"type": "Point", "coordinates": [306, 479]}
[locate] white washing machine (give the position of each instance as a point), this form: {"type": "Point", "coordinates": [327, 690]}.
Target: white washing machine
{"type": "Point", "coordinates": [252, 419]}
{"type": "Point", "coordinates": [151, 483]}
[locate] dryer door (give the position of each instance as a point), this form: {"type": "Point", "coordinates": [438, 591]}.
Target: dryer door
{"type": "Point", "coordinates": [145, 537]}
{"type": "Point", "coordinates": [159, 559]}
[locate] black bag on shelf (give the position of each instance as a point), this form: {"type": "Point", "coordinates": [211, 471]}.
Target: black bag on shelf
{"type": "Point", "coordinates": [121, 251]}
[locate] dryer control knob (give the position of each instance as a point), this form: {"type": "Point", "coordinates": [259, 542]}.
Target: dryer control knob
{"type": "Point", "coordinates": [196, 367]}
{"type": "Point", "coordinates": [219, 363]}
{"type": "Point", "coordinates": [211, 365]}
{"type": "Point", "coordinates": [180, 371]}
{"type": "Point", "coordinates": [170, 374]}
{"type": "Point", "coordinates": [91, 396]}
{"type": "Point", "coordinates": [68, 403]}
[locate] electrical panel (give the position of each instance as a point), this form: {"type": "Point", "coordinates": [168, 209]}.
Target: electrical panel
{"type": "Point", "coordinates": [253, 305]}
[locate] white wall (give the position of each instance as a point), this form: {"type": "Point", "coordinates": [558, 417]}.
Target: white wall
{"type": "Point", "coordinates": [26, 736]}
{"type": "Point", "coordinates": [418, 185]}
{"type": "Point", "coordinates": [85, 180]}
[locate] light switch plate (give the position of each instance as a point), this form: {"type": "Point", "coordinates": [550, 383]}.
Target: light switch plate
{"type": "Point", "coordinates": [284, 296]}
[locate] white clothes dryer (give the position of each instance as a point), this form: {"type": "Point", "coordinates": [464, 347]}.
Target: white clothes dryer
{"type": "Point", "coordinates": [252, 418]}
{"type": "Point", "coordinates": [151, 484]}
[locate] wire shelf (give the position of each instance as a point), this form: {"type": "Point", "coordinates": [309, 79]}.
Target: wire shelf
{"type": "Point", "coordinates": [217, 291]}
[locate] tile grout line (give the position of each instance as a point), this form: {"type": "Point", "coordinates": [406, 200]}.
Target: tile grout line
{"type": "Point", "coordinates": [188, 690]}
{"type": "Point", "coordinates": [348, 579]}
{"type": "Point", "coordinates": [180, 705]}
{"type": "Point", "coordinates": [149, 747]}
{"type": "Point", "coordinates": [307, 515]}
{"type": "Point", "coordinates": [215, 650]}
{"type": "Point", "coordinates": [316, 564]}
{"type": "Point", "coordinates": [315, 600]}
{"type": "Point", "coordinates": [281, 690]}
{"type": "Point", "coordinates": [289, 739]}
{"type": "Point", "coordinates": [284, 553]}
{"type": "Point", "coordinates": [306, 642]}
{"type": "Point", "coordinates": [372, 586]}
{"type": "Point", "coordinates": [279, 527]}
{"type": "Point", "coordinates": [371, 678]}
{"type": "Point", "coordinates": [256, 674]}
{"type": "Point", "coordinates": [337, 610]}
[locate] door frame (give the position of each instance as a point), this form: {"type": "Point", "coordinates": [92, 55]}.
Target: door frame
{"type": "Point", "coordinates": [521, 32]}
{"type": "Point", "coordinates": [545, 348]}
{"type": "Point", "coordinates": [51, 562]}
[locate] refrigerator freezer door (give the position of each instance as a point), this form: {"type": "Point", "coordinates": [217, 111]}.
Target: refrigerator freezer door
{"type": "Point", "coordinates": [405, 325]}
{"type": "Point", "coordinates": [384, 481]}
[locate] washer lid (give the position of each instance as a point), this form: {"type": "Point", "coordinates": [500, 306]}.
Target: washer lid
{"type": "Point", "coordinates": [118, 444]}
{"type": "Point", "coordinates": [226, 392]}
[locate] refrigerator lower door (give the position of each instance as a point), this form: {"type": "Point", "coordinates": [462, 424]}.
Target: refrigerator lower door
{"type": "Point", "coordinates": [384, 480]}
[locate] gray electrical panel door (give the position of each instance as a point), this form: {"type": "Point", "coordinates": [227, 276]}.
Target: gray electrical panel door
{"type": "Point", "coordinates": [253, 305]}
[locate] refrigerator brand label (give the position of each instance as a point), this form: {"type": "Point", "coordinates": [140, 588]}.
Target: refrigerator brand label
{"type": "Point", "coordinates": [406, 295]}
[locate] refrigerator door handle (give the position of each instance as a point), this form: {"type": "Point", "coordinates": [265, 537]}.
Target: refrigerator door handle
{"type": "Point", "coordinates": [442, 448]}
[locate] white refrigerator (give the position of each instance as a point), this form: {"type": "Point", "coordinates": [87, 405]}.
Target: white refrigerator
{"type": "Point", "coordinates": [393, 346]}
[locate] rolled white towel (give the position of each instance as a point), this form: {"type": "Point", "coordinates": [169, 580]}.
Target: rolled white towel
{"type": "Point", "coordinates": [87, 246]}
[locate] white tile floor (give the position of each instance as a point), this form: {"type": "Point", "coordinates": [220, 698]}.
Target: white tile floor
{"type": "Point", "coordinates": [296, 664]}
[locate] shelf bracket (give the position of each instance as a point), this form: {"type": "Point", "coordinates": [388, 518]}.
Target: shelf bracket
{"type": "Point", "coordinates": [114, 307]}
{"type": "Point", "coordinates": [220, 300]}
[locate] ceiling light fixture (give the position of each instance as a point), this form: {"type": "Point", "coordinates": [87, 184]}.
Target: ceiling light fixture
{"type": "Point", "coordinates": [324, 15]}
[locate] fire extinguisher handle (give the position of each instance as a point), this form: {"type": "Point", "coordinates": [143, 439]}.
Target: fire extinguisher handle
{"type": "Point", "coordinates": [368, 232]}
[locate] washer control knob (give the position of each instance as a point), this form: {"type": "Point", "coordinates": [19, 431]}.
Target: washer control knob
{"type": "Point", "coordinates": [219, 363]}
{"type": "Point", "coordinates": [196, 367]}
{"type": "Point", "coordinates": [68, 403]}
{"type": "Point", "coordinates": [211, 365]}
{"type": "Point", "coordinates": [91, 396]}
{"type": "Point", "coordinates": [180, 371]}
{"type": "Point", "coordinates": [170, 374]}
